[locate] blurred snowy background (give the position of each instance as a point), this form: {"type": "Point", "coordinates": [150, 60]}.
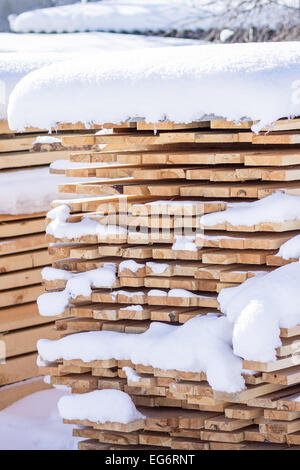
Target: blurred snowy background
{"type": "Point", "coordinates": [7, 7]}
{"type": "Point", "coordinates": [212, 20]}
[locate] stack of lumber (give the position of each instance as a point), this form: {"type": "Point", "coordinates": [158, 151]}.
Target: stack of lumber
{"type": "Point", "coordinates": [161, 179]}
{"type": "Point", "coordinates": [23, 253]}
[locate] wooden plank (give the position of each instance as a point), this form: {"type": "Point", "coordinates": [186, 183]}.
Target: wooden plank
{"type": "Point", "coordinates": [24, 341]}
{"type": "Point", "coordinates": [22, 244]}
{"type": "Point", "coordinates": [272, 366]}
{"type": "Point", "coordinates": [13, 217]}
{"type": "Point", "coordinates": [30, 159]}
{"type": "Point", "coordinates": [249, 393]}
{"type": "Point", "coordinates": [22, 227]}
{"type": "Point", "coordinates": [20, 295]}
{"type": "Point", "coordinates": [277, 138]}
{"type": "Point", "coordinates": [18, 368]}
{"type": "Point", "coordinates": [11, 394]}
{"type": "Point", "coordinates": [270, 400]}
{"type": "Point", "coordinates": [279, 426]}
{"type": "Point", "coordinates": [167, 125]}
{"type": "Point", "coordinates": [20, 278]}
{"type": "Point", "coordinates": [22, 316]}
{"type": "Point", "coordinates": [275, 158]}
{"type": "Point", "coordinates": [22, 261]}
{"type": "Point", "coordinates": [243, 412]}
{"type": "Point", "coordinates": [221, 423]}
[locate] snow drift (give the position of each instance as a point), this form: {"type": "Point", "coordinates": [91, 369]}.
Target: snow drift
{"type": "Point", "coordinates": [25, 53]}
{"type": "Point", "coordinates": [258, 81]}
{"type": "Point", "coordinates": [135, 15]}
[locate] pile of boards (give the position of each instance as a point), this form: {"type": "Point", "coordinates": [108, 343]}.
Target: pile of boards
{"type": "Point", "coordinates": [155, 181]}
{"type": "Point", "coordinates": [23, 253]}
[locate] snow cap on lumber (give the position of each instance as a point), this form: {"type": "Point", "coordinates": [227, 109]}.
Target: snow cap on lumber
{"type": "Point", "coordinates": [202, 344]}
{"type": "Point", "coordinates": [258, 308]}
{"type": "Point", "coordinates": [278, 207]}
{"type": "Point", "coordinates": [99, 406]}
{"type": "Point", "coordinates": [256, 81]}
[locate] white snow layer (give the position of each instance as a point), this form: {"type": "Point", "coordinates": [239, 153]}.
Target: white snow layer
{"type": "Point", "coordinates": [33, 423]}
{"type": "Point", "coordinates": [60, 228]}
{"type": "Point", "coordinates": [290, 249]}
{"type": "Point", "coordinates": [27, 52]}
{"type": "Point", "coordinates": [47, 139]}
{"type": "Point", "coordinates": [99, 406]}
{"type": "Point", "coordinates": [185, 243]}
{"type": "Point", "coordinates": [14, 66]}
{"type": "Point", "coordinates": [278, 207]}
{"type": "Point", "coordinates": [157, 268]}
{"type": "Point", "coordinates": [134, 15]}
{"type": "Point", "coordinates": [259, 307]}
{"type": "Point", "coordinates": [201, 344]}
{"type": "Point", "coordinates": [30, 191]}
{"type": "Point", "coordinates": [131, 374]}
{"type": "Point", "coordinates": [51, 274]}
{"type": "Point", "coordinates": [259, 81]}
{"type": "Point", "coordinates": [83, 42]}
{"type": "Point", "coordinates": [55, 303]}
{"type": "Point", "coordinates": [131, 265]}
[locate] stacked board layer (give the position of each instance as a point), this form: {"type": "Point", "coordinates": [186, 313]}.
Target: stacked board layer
{"type": "Point", "coordinates": [23, 253]}
{"type": "Point", "coordinates": [155, 182]}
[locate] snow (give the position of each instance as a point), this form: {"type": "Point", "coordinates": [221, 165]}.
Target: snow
{"type": "Point", "coordinates": [131, 265]}
{"type": "Point", "coordinates": [33, 423]}
{"type": "Point", "coordinates": [41, 363]}
{"type": "Point", "coordinates": [53, 303]}
{"type": "Point", "coordinates": [259, 307]}
{"type": "Point", "coordinates": [129, 15]}
{"type": "Point", "coordinates": [278, 207]}
{"type": "Point", "coordinates": [46, 139]}
{"type": "Point", "coordinates": [201, 344]}
{"type": "Point", "coordinates": [290, 249]}
{"type": "Point", "coordinates": [99, 406]}
{"type": "Point", "coordinates": [78, 284]}
{"type": "Point", "coordinates": [14, 66]}
{"type": "Point", "coordinates": [92, 42]}
{"type": "Point", "coordinates": [127, 293]}
{"type": "Point", "coordinates": [131, 374]}
{"type": "Point", "coordinates": [257, 81]}
{"type": "Point", "coordinates": [21, 54]}
{"type": "Point", "coordinates": [157, 293]}
{"type": "Point", "coordinates": [185, 243]}
{"type": "Point", "coordinates": [225, 34]}
{"type": "Point", "coordinates": [31, 191]}
{"type": "Point", "coordinates": [157, 268]}
{"type": "Point", "coordinates": [183, 293]}
{"type": "Point", "coordinates": [63, 165]}
{"type": "Point", "coordinates": [51, 274]}
{"type": "Point", "coordinates": [137, 308]}
{"type": "Point", "coordinates": [134, 15]}
{"type": "Point", "coordinates": [60, 228]}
